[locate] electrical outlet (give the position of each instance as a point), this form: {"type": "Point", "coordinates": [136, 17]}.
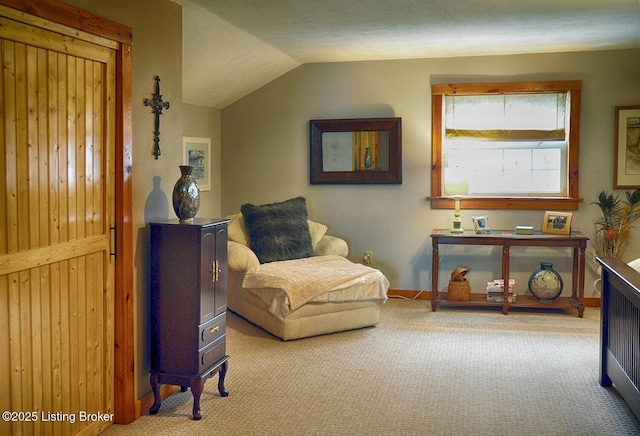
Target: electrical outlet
{"type": "Point", "coordinates": [368, 257]}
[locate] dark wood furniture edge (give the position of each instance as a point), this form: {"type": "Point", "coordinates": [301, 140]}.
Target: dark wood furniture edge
{"type": "Point", "coordinates": [619, 338]}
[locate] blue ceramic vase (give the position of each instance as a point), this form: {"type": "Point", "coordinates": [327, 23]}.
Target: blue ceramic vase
{"type": "Point", "coordinates": [545, 283]}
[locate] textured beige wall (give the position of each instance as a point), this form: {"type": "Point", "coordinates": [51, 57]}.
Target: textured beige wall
{"type": "Point", "coordinates": [265, 154]}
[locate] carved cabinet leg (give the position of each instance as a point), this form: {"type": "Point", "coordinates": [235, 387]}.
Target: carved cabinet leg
{"type": "Point", "coordinates": [156, 394]}
{"type": "Point", "coordinates": [197, 386]}
{"type": "Point", "coordinates": [222, 375]}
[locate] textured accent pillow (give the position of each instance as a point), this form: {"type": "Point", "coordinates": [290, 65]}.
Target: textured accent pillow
{"type": "Point", "coordinates": [238, 231]}
{"type": "Point", "coordinates": [278, 231]}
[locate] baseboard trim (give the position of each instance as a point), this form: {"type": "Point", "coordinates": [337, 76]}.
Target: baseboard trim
{"type": "Point", "coordinates": [426, 295]}
{"type": "Point", "coordinates": [144, 404]}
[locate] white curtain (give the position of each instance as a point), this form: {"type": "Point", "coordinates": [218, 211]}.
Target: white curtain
{"type": "Point", "coordinates": [509, 117]}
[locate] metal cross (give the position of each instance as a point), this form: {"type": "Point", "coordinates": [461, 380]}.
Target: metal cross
{"type": "Point", "coordinates": [157, 105]}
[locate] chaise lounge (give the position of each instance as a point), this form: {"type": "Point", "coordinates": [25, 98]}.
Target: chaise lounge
{"type": "Point", "coordinates": [289, 277]}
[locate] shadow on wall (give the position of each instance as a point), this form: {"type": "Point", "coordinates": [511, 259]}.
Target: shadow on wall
{"type": "Point", "coordinates": [156, 208]}
{"type": "Point", "coordinates": [157, 204]}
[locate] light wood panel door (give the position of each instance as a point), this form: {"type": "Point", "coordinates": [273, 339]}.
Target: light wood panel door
{"type": "Point", "coordinates": [57, 130]}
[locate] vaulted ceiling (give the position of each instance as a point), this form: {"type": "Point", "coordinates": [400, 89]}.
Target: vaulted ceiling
{"type": "Point", "coordinates": [233, 47]}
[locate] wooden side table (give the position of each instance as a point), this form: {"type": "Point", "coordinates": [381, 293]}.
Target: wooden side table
{"type": "Point", "coordinates": [507, 239]}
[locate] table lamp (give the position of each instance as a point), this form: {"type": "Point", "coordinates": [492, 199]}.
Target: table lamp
{"type": "Point", "coordinates": [456, 184]}
{"type": "Point", "coordinates": [457, 221]}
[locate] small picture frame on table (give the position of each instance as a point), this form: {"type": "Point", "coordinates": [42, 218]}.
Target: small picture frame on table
{"type": "Point", "coordinates": [557, 223]}
{"type": "Point", "coordinates": [481, 224]}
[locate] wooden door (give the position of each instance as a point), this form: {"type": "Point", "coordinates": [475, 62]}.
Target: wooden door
{"type": "Point", "coordinates": [57, 130]}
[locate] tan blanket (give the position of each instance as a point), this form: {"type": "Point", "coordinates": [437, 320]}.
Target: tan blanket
{"type": "Point", "coordinates": [304, 279]}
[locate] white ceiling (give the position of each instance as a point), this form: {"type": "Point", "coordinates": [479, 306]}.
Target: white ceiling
{"type": "Point", "coordinates": [233, 47]}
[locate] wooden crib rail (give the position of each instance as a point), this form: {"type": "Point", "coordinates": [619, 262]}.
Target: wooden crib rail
{"type": "Point", "coordinates": [620, 330]}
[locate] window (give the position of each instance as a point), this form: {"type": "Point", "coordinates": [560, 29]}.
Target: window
{"type": "Point", "coordinates": [506, 145]}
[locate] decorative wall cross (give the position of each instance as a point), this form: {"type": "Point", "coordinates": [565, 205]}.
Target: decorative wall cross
{"type": "Point", "coordinates": [157, 105]}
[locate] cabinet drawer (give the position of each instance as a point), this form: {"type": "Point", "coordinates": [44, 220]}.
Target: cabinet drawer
{"type": "Point", "coordinates": [212, 353]}
{"type": "Point", "coordinates": [212, 330]}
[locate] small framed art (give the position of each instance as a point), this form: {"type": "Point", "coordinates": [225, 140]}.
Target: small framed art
{"type": "Point", "coordinates": [558, 223]}
{"type": "Point", "coordinates": [481, 224]}
{"type": "Point", "coordinates": [626, 167]}
{"type": "Point", "coordinates": [197, 153]}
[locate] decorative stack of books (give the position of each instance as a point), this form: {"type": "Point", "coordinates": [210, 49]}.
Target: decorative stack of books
{"type": "Point", "coordinates": [495, 291]}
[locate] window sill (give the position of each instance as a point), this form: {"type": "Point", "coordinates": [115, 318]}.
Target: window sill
{"type": "Point", "coordinates": [530, 203]}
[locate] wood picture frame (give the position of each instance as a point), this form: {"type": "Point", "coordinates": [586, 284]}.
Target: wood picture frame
{"type": "Point", "coordinates": [197, 153]}
{"type": "Point", "coordinates": [557, 223]}
{"type": "Point", "coordinates": [626, 167]}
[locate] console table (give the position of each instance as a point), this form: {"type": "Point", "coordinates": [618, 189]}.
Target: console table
{"type": "Point", "coordinates": [507, 239]}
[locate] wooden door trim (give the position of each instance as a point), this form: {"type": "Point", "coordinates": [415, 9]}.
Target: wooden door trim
{"type": "Point", "coordinates": [124, 352]}
{"type": "Point", "coordinates": [70, 16]}
{"type": "Point", "coordinates": [124, 368]}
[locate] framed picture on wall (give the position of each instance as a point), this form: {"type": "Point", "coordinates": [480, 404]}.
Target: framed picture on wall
{"type": "Point", "coordinates": [626, 167]}
{"type": "Point", "coordinates": [197, 153]}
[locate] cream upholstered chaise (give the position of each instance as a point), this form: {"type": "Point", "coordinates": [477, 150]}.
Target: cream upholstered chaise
{"type": "Point", "coordinates": [318, 293]}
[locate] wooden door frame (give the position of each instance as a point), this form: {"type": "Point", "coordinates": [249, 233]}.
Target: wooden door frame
{"type": "Point", "coordinates": [124, 352]}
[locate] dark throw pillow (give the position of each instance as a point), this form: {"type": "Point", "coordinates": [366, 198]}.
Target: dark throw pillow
{"type": "Point", "coordinates": [278, 231]}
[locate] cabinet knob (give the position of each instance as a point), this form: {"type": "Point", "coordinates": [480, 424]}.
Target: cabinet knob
{"type": "Point", "coordinates": [215, 329]}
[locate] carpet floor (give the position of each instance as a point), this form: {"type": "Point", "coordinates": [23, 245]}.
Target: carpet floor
{"type": "Point", "coordinates": [450, 372]}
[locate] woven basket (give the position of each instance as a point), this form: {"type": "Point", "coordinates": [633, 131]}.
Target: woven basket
{"type": "Point", "coordinates": [459, 289]}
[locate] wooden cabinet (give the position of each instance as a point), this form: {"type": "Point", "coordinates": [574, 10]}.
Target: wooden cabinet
{"type": "Point", "coordinates": [507, 239]}
{"type": "Point", "coordinates": [188, 306]}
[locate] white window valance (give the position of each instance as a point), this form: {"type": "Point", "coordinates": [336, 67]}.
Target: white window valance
{"type": "Point", "coordinates": [508, 117]}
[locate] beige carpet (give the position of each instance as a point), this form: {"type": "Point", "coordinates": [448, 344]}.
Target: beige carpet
{"type": "Point", "coordinates": [452, 372]}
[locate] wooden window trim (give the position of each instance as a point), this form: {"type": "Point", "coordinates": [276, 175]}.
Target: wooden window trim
{"type": "Point", "coordinates": [570, 202]}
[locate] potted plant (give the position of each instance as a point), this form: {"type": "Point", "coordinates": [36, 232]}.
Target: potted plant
{"type": "Point", "coordinates": [613, 230]}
